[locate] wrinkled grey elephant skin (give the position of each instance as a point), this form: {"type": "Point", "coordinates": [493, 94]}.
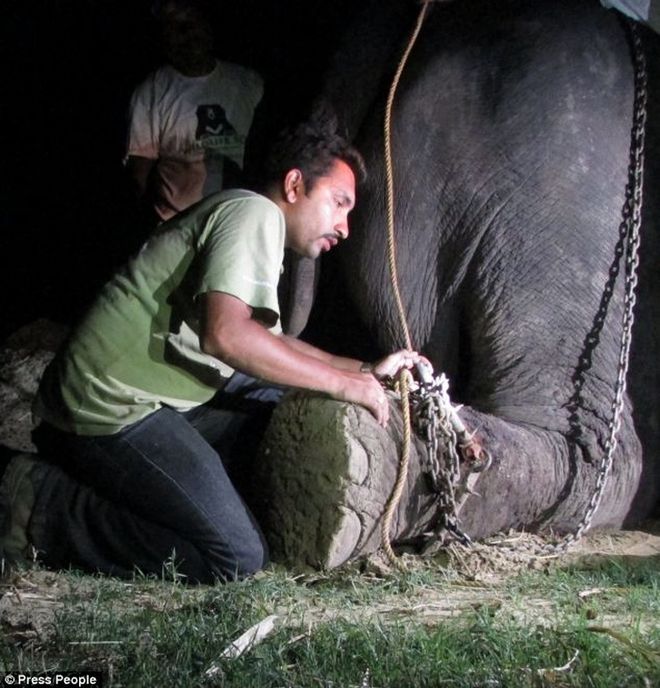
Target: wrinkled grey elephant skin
{"type": "Point", "coordinates": [511, 138]}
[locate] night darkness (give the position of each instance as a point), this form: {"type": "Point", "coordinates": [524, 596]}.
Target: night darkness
{"type": "Point", "coordinates": [68, 217]}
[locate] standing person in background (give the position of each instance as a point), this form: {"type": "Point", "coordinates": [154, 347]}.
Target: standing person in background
{"type": "Point", "coordinates": [188, 121]}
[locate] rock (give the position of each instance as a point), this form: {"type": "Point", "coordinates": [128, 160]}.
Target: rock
{"type": "Point", "coordinates": [23, 358]}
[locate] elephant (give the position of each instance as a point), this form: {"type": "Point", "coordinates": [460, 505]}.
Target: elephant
{"type": "Point", "coordinates": [511, 136]}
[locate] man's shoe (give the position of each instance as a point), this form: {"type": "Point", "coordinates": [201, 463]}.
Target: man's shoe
{"type": "Point", "coordinates": [16, 503]}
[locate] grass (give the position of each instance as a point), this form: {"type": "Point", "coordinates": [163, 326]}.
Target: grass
{"type": "Point", "coordinates": [577, 626]}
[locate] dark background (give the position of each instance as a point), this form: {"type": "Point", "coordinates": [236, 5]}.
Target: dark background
{"type": "Point", "coordinates": [67, 215]}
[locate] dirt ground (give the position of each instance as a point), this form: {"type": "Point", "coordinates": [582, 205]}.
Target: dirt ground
{"type": "Point", "coordinates": [29, 601]}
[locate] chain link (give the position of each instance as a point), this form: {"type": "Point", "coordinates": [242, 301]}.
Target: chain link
{"type": "Point", "coordinates": [436, 422]}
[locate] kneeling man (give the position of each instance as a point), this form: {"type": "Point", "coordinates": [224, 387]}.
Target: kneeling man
{"type": "Point", "coordinates": [172, 374]}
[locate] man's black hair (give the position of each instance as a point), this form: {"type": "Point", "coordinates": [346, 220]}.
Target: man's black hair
{"type": "Point", "coordinates": [312, 147]}
{"type": "Point", "coordinates": [201, 7]}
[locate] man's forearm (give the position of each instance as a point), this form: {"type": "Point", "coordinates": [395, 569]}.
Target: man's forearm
{"type": "Point", "coordinates": [339, 362]}
{"type": "Point", "coordinates": [261, 354]}
{"type": "Point", "coordinates": [231, 334]}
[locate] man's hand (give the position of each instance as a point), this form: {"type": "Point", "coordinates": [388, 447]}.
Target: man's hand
{"type": "Point", "coordinates": [364, 389]}
{"type": "Point", "coordinates": [392, 364]}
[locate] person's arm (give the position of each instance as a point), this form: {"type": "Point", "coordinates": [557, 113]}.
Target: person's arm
{"type": "Point", "coordinates": [339, 362]}
{"type": "Point", "coordinates": [230, 333]}
{"type": "Point", "coordinates": [139, 170]}
{"type": "Point", "coordinates": [143, 138]}
{"type": "Point", "coordinates": [386, 367]}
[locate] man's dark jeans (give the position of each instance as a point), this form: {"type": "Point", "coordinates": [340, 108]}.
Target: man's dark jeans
{"type": "Point", "coordinates": [157, 490]}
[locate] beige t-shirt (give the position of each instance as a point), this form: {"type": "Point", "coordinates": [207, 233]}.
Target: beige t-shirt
{"type": "Point", "coordinates": [192, 127]}
{"type": "Point", "coordinates": [138, 347]}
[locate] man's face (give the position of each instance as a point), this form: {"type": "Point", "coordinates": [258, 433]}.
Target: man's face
{"type": "Point", "coordinates": [317, 221]}
{"type": "Point", "coordinates": [186, 36]}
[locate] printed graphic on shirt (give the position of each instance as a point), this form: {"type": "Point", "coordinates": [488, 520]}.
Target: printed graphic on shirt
{"type": "Point", "coordinates": [215, 133]}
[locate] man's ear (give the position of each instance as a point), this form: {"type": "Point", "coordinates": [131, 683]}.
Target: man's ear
{"type": "Point", "coordinates": [294, 185]}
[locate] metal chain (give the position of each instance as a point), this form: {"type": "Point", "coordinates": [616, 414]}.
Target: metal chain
{"type": "Point", "coordinates": [629, 240]}
{"type": "Point", "coordinates": [431, 409]}
{"type": "Point", "coordinates": [454, 459]}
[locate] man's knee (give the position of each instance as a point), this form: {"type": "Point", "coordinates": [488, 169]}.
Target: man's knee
{"type": "Point", "coordinates": [237, 564]}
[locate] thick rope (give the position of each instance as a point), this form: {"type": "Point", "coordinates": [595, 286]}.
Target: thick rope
{"type": "Point", "coordinates": [402, 475]}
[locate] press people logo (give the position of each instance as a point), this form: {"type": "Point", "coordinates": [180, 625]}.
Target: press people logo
{"type": "Point", "coordinates": [63, 678]}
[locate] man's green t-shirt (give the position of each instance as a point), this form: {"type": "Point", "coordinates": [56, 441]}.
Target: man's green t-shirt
{"type": "Point", "coordinates": [138, 347]}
